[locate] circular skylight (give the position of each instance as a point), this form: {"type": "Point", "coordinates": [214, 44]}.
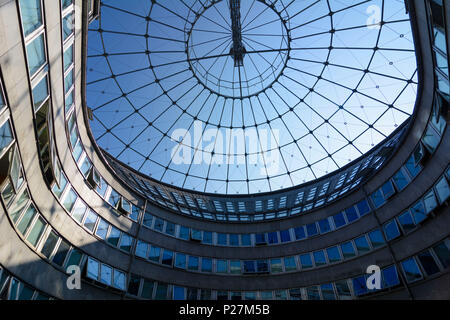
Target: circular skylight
{"type": "Point", "coordinates": [239, 97]}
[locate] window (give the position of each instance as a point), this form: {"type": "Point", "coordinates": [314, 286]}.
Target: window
{"type": "Point", "coordinates": [443, 253]}
{"type": "Point", "coordinates": [180, 260]}
{"type": "Point", "coordinates": [167, 257]}
{"type": "Point", "coordinates": [311, 229]}
{"type": "Point", "coordinates": [207, 237]}
{"type": "Point", "coordinates": [295, 294]}
{"type": "Point", "coordinates": [49, 244]}
{"type": "Point", "coordinates": [105, 274]}
{"type": "Point", "coordinates": [40, 93]}
{"type": "Point", "coordinates": [102, 229]}
{"type": "Point", "coordinates": [359, 285]}
{"type": "Point", "coordinates": [406, 221]}
{"type": "Point", "coordinates": [272, 237]}
{"type": "Point", "coordinates": [161, 291]}
{"type": "Point", "coordinates": [75, 258]}
{"type": "Point", "coordinates": [343, 290]}
{"type": "Point", "coordinates": [147, 289]}
{"type": "Point", "coordinates": [390, 277]}
{"type": "Point", "coordinates": [442, 190]}
{"type": "Point", "coordinates": [67, 25]}
{"type": "Point", "coordinates": [319, 258]}
{"type": "Point", "coordinates": [206, 265]}
{"type": "Point", "coordinates": [36, 54]}
{"type": "Point", "coordinates": [141, 249]}
{"type": "Point", "coordinates": [31, 15]}
{"type": "Point", "coordinates": [92, 269]}
{"type": "Point", "coordinates": [324, 226]}
{"type": "Point", "coordinates": [154, 254]}
{"type": "Point", "coordinates": [275, 266]}
{"type": "Point", "coordinates": [126, 242]}
{"type": "Point", "coordinates": [193, 263]}
{"type": "Point", "coordinates": [25, 222]}
{"type": "Point", "coordinates": [179, 293]}
{"type": "Point", "coordinates": [61, 253]}
{"type": "Point", "coordinates": [148, 219]}
{"type": "Point", "coordinates": [66, 3]}
{"type": "Point", "coordinates": [363, 208]}
{"type": "Point", "coordinates": [36, 231]}
{"type": "Point", "coordinates": [411, 270]}
{"type": "Point", "coordinates": [388, 189]}
{"type": "Point", "coordinates": [339, 220]}
{"type": "Point", "coordinates": [249, 266]}
{"type": "Point", "coordinates": [113, 236]}
{"type": "Point", "coordinates": [300, 233]}
{"type": "Point", "coordinates": [430, 202]}
{"type": "Point", "coordinates": [377, 198]}
{"type": "Point", "coordinates": [222, 239]}
{"type": "Point", "coordinates": [133, 285]}
{"type": "Point", "coordinates": [262, 266]}
{"type": "Point", "coordinates": [400, 180]}
{"type": "Point", "coordinates": [235, 267]}
{"type": "Point", "coordinates": [428, 263]}
{"type": "Point", "coordinates": [234, 240]}
{"type": "Point", "coordinates": [246, 240]}
{"type": "Point", "coordinates": [70, 199]}
{"type": "Point", "coordinates": [289, 264]}
{"type": "Point", "coordinates": [376, 238]}
{"type": "Point", "coordinates": [306, 261]}
{"type": "Point", "coordinates": [184, 233]}
{"type": "Point", "coordinates": [348, 251]}
{"type": "Point", "coordinates": [351, 214]}
{"type": "Point", "coordinates": [90, 221]}
{"type": "Point", "coordinates": [159, 225]}
{"type": "Point", "coordinates": [285, 236]}
{"type": "Point", "coordinates": [119, 280]}
{"type": "Point", "coordinates": [418, 212]}
{"type": "Point", "coordinates": [313, 293]}
{"type": "Point", "coordinates": [170, 228]}
{"type": "Point", "coordinates": [327, 292]}
{"type": "Point", "coordinates": [333, 254]}
{"type": "Point", "coordinates": [221, 266]}
{"type": "Point", "coordinates": [68, 58]}
{"type": "Point", "coordinates": [6, 136]}
{"type": "Point", "coordinates": [391, 230]}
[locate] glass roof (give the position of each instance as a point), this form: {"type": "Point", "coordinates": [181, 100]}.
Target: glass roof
{"type": "Point", "coordinates": [242, 97]}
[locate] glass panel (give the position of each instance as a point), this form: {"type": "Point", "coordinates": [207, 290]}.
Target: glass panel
{"type": "Point", "coordinates": [6, 136]}
{"type": "Point", "coordinates": [19, 205]}
{"type": "Point", "coordinates": [119, 279]}
{"type": "Point", "coordinates": [106, 274]}
{"type": "Point", "coordinates": [235, 267]}
{"type": "Point", "coordinates": [333, 254]}
{"type": "Point", "coordinates": [36, 231]}
{"type": "Point", "coordinates": [147, 289]}
{"type": "Point", "coordinates": [430, 202]}
{"type": "Point", "coordinates": [285, 236]}
{"type": "Point", "coordinates": [300, 233]}
{"type": "Point", "coordinates": [49, 244]}
{"type": "Point", "coordinates": [170, 228]}
{"type": "Point", "coordinates": [69, 200]}
{"type": "Point", "coordinates": [206, 265]}
{"type": "Point", "coordinates": [67, 26]}
{"type": "Point", "coordinates": [92, 269]}
{"type": "Point", "coordinates": [428, 263]}
{"type": "Point", "coordinates": [328, 292]}
{"type": "Point", "coordinates": [184, 233]}
{"type": "Point", "coordinates": [193, 263]}
{"type": "Point", "coordinates": [221, 266]}
{"type": "Point", "coordinates": [25, 222]}
{"type": "Point", "coordinates": [234, 240]}
{"type": "Point", "coordinates": [30, 13]}
{"type": "Point", "coordinates": [443, 254]}
{"type": "Point", "coordinates": [295, 294]}
{"type": "Point", "coordinates": [179, 293]}
{"type": "Point", "coordinates": [79, 211]}
{"type": "Point", "coordinates": [339, 220]}
{"type": "Point", "coordinates": [68, 58]}
{"type": "Point", "coordinates": [351, 214]}
{"type": "Point", "coordinates": [400, 180]}
{"type": "Point", "coordinates": [148, 220]}
{"type": "Point", "coordinates": [418, 212]}
{"type": "Point", "coordinates": [141, 249]}
{"type": "Point", "coordinates": [113, 237]}
{"type": "Point", "coordinates": [275, 266]}
{"type": "Point", "coordinates": [362, 245]}
{"type": "Point", "coordinates": [66, 3]}
{"type": "Point", "coordinates": [69, 102]}
{"type": "Point", "coordinates": [319, 258]}
{"type": "Point", "coordinates": [311, 229]}
{"type": "Point", "coordinates": [133, 285]}
{"type": "Point", "coordinates": [343, 290]}
{"type": "Point", "coordinates": [159, 225]}
{"type": "Point", "coordinates": [91, 219]}
{"type": "Point", "coordinates": [154, 253]}
{"type": "Point", "coordinates": [391, 230]}
{"type": "Point", "coordinates": [161, 291]}
{"type": "Point", "coordinates": [313, 293]}
{"type": "Point", "coordinates": [390, 277]}
{"type": "Point", "coordinates": [61, 253]}
{"type": "Point", "coordinates": [40, 93]}
{"type": "Point", "coordinates": [102, 229]}
{"type": "Point", "coordinates": [363, 207]}
{"type": "Point", "coordinates": [411, 270]}
{"type": "Point", "coordinates": [207, 237]}
{"type": "Point", "coordinates": [126, 242]}
{"type": "Point", "coordinates": [36, 54]}
{"type": "Point", "coordinates": [68, 81]}
{"type": "Point", "coordinates": [324, 226]}
{"type": "Point", "coordinates": [306, 261]}
{"type": "Point", "coordinates": [442, 190]}
{"type": "Point", "coordinates": [406, 222]}
{"type": "Point", "coordinates": [167, 257]}
{"type": "Point", "coordinates": [180, 260]}
{"type": "Point", "coordinates": [289, 264]}
{"type": "Point", "coordinates": [348, 251]}
{"type": "Point", "coordinates": [376, 238]}
{"type": "Point", "coordinates": [222, 239]}
{"type": "Point", "coordinates": [75, 258]}
{"type": "Point", "coordinates": [359, 285]}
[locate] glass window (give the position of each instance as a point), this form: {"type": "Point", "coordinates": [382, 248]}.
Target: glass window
{"type": "Point", "coordinates": [167, 257]}
{"type": "Point", "coordinates": [306, 261]}
{"type": "Point", "coordinates": [36, 54]}
{"type": "Point", "coordinates": [412, 168]}
{"type": "Point", "coordinates": [442, 190]}
{"type": "Point", "coordinates": [343, 290]}
{"type": "Point", "coordinates": [249, 266]}
{"type": "Point", "coordinates": [179, 293]}
{"type": "Point", "coordinates": [285, 236]}
{"type": "Point", "coordinates": [113, 236]}
{"type": "Point", "coordinates": [362, 245]}
{"type": "Point", "coordinates": [348, 251]}
{"type": "Point", "coordinates": [266, 295]}
{"type": "Point", "coordinates": [193, 263]}
{"type": "Point", "coordinates": [61, 253]}
{"type": "Point", "coordinates": [49, 244]}
{"type": "Point", "coordinates": [272, 237]}
{"type": "Point", "coordinates": [359, 285]}
{"type": "Point", "coordinates": [66, 3]}
{"type": "Point", "coordinates": [68, 58]}
{"type": "Point", "coordinates": [300, 233]}
{"type": "Point", "coordinates": [126, 242]}
{"type": "Point", "coordinates": [377, 198]}
{"type": "Point", "coordinates": [148, 219]}
{"type": "Point", "coordinates": [207, 237]}
{"type": "Point", "coordinates": [234, 240]}
{"type": "Point", "coordinates": [324, 226]}
{"type": "Point", "coordinates": [31, 15]}
{"type": "Point", "coordinates": [67, 26]}
{"type": "Point", "coordinates": [319, 258]}
{"type": "Point", "coordinates": [26, 293]}
{"type": "Point", "coordinates": [400, 180]}
{"type": "Point", "coordinates": [161, 291]}
{"type": "Point", "coordinates": [430, 202]}
{"type": "Point", "coordinates": [36, 231]}
{"type": "Point", "coordinates": [311, 229]}
{"type": "Point", "coordinates": [184, 233]}
{"type": "Point", "coordinates": [68, 81]}
{"type": "Point", "coordinates": [105, 274]}
{"type": "Point", "coordinates": [91, 219]}
{"type": "Point", "coordinates": [6, 136]}
{"type": "Point", "coordinates": [246, 240]}
{"type": "Point", "coordinates": [275, 266]}
{"type": "Point", "coordinates": [25, 222]}
{"type": "Point", "coordinates": [222, 295]}
{"type": "Point", "coordinates": [250, 295]}
{"type": "Point", "coordinates": [295, 294]}
{"type": "Point", "coordinates": [313, 293]}
{"type": "Point", "coordinates": [327, 292]}
{"type": "Point", "coordinates": [363, 208]}
{"type": "Point", "coordinates": [170, 228]}
{"type": "Point", "coordinates": [40, 93]}
{"type": "Point", "coordinates": [75, 258]}
{"type": "Point", "coordinates": [19, 205]}
{"type": "Point", "coordinates": [133, 285]}
{"type": "Point", "coordinates": [289, 264]}
{"type": "Point", "coordinates": [221, 266]}
{"type": "Point", "coordinates": [222, 239]}
{"type": "Point", "coordinates": [390, 277]}
{"type": "Point", "coordinates": [147, 289]}
{"type": "Point", "coordinates": [262, 266]}
{"type": "Point", "coordinates": [339, 220]}
{"type": "Point", "coordinates": [79, 211]}
{"type": "Point", "coordinates": [280, 295]}
{"type": "Point", "coordinates": [180, 260]}
{"type": "Point", "coordinates": [406, 221]}
{"type": "Point", "coordinates": [376, 238]}
{"type": "Point", "coordinates": [119, 279]}
{"type": "Point", "coordinates": [391, 230]}
{"type": "Point", "coordinates": [235, 267]}
{"type": "Point", "coordinates": [443, 253]}
{"type": "Point", "coordinates": [69, 200]}
{"type": "Point", "coordinates": [141, 249]}
{"type": "Point", "coordinates": [92, 269]}
{"type": "Point", "coordinates": [388, 189]}
{"type": "Point", "coordinates": [333, 254]}
{"type": "Point", "coordinates": [351, 214]}
{"type": "Point", "coordinates": [418, 212]}
{"type": "Point", "coordinates": [411, 270]}
{"type": "Point", "coordinates": [206, 265]}
{"type": "Point", "coordinates": [102, 229]}
{"type": "Point", "coordinates": [159, 225]}
{"type": "Point", "coordinates": [428, 263]}
{"type": "Point", "coordinates": [154, 253]}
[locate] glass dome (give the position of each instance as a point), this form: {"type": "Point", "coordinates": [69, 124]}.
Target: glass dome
{"type": "Point", "coordinates": [243, 97]}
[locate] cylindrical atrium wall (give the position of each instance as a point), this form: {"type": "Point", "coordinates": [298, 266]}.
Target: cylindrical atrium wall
{"type": "Point", "coordinates": [92, 92]}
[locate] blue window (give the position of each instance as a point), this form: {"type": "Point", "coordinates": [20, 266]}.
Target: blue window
{"type": "Point", "coordinates": [359, 285]}
{"type": "Point", "coordinates": [299, 233]}
{"type": "Point", "coordinates": [339, 220]}
{"type": "Point", "coordinates": [306, 261]}
{"type": "Point", "coordinates": [319, 258]}
{"type": "Point", "coordinates": [154, 254]}
{"type": "Point", "coordinates": [311, 229]}
{"type": "Point", "coordinates": [180, 260]}
{"type": "Point", "coordinates": [222, 239]}
{"type": "Point", "coordinates": [333, 254]}
{"type": "Point", "coordinates": [31, 15]}
{"type": "Point", "coordinates": [36, 54]}
{"type": "Point", "coordinates": [179, 293]}
{"type": "Point", "coordinates": [406, 221]}
{"type": "Point", "coordinates": [167, 257]}
{"type": "Point", "coordinates": [428, 263]}
{"type": "Point", "coordinates": [193, 263]}
{"type": "Point", "coordinates": [377, 198]}
{"type": "Point", "coordinates": [6, 136]}
{"type": "Point", "coordinates": [363, 208]}
{"type": "Point", "coordinates": [418, 212]}
{"type": "Point", "coordinates": [327, 292]}
{"type": "Point", "coordinates": [40, 93]}
{"type": "Point", "coordinates": [272, 237]}
{"type": "Point", "coordinates": [442, 189]}
{"type": "Point", "coordinates": [262, 266]}
{"type": "Point", "coordinates": [207, 237]}
{"type": "Point", "coordinates": [159, 225]}
{"type": "Point", "coordinates": [376, 238]}
{"type": "Point", "coordinates": [289, 264]}
{"type": "Point", "coordinates": [170, 228]}
{"type": "Point", "coordinates": [411, 270]}
{"type": "Point", "coordinates": [234, 240]}
{"type": "Point", "coordinates": [430, 202]}
{"type": "Point", "coordinates": [412, 168]}
{"type": "Point", "coordinates": [400, 180]}
{"type": "Point", "coordinates": [390, 277]}
{"type": "Point", "coordinates": [391, 230]}
{"type": "Point", "coordinates": [388, 189]}
{"type": "Point", "coordinates": [313, 293]}
{"type": "Point", "coordinates": [324, 226]}
{"type": "Point", "coordinates": [68, 58]}
{"type": "Point", "coordinates": [362, 245]}
{"type": "Point", "coordinates": [260, 238]}
{"type": "Point", "coordinates": [148, 220]}
{"type": "Point", "coordinates": [184, 233]}
{"type": "Point", "coordinates": [246, 240]}
{"type": "Point", "coordinates": [348, 251]}
{"type": "Point", "coordinates": [222, 266]}
{"type": "Point", "coordinates": [351, 214]}
{"type": "Point", "coordinates": [443, 254]}
{"type": "Point", "coordinates": [249, 266]}
{"type": "Point", "coordinates": [285, 236]}
{"type": "Point", "coordinates": [206, 265]}
{"type": "Point", "coordinates": [67, 26]}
